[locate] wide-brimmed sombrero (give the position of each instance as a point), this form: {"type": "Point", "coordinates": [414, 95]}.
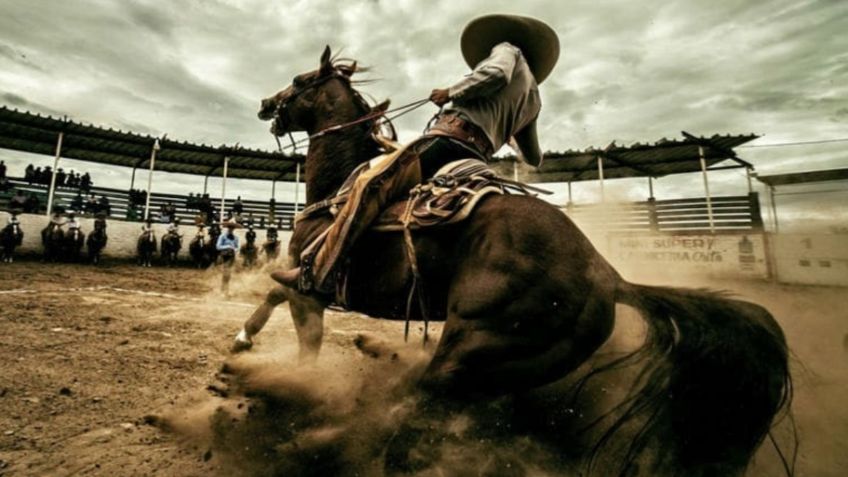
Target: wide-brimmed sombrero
{"type": "Point", "coordinates": [538, 41]}
{"type": "Point", "coordinates": [230, 223]}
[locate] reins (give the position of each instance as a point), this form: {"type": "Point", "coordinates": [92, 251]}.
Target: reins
{"type": "Point", "coordinates": [405, 109]}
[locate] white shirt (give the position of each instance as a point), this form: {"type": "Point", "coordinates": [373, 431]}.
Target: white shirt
{"type": "Point", "coordinates": [500, 95]}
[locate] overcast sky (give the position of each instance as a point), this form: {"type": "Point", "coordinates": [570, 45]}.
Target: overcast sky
{"type": "Point", "coordinates": [629, 71]}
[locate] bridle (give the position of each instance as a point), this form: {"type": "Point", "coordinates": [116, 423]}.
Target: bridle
{"type": "Point", "coordinates": [282, 107]}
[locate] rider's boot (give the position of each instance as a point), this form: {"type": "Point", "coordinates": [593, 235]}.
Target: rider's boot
{"type": "Point", "coordinates": [372, 191]}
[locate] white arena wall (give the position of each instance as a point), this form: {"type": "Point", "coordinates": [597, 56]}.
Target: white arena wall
{"type": "Point", "coordinates": [123, 235]}
{"type": "Point", "coordinates": [812, 259]}
{"type": "Point", "coordinates": [791, 258]}
{"type": "Point", "coordinates": [732, 255]}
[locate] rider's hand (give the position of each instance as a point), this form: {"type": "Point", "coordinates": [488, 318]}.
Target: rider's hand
{"type": "Point", "coordinates": [440, 96]}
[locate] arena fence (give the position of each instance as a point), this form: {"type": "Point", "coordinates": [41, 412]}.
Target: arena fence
{"type": "Point", "coordinates": [677, 216]}
{"type": "Point", "coordinates": [119, 201]}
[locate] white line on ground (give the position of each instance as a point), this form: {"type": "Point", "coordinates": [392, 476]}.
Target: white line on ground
{"type": "Point", "coordinates": [104, 288]}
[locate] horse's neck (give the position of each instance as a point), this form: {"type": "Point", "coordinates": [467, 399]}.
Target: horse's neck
{"type": "Point", "coordinates": [332, 157]}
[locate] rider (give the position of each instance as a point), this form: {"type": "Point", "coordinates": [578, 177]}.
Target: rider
{"type": "Point", "coordinates": [498, 101]}
{"type": "Point", "coordinates": [147, 227]}
{"type": "Point", "coordinates": [271, 234]}
{"type": "Point", "coordinates": [73, 223]}
{"type": "Point", "coordinates": [57, 220]}
{"type": "Point", "coordinates": [13, 219]}
{"type": "Point", "coordinates": [100, 222]}
{"type": "Point", "coordinates": [174, 228]}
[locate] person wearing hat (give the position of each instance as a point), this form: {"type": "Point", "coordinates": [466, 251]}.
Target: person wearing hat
{"type": "Point", "coordinates": [496, 103]}
{"type": "Point", "coordinates": [73, 223]}
{"type": "Point", "coordinates": [147, 227]}
{"type": "Point", "coordinates": [228, 241]}
{"type": "Point", "coordinates": [228, 246]}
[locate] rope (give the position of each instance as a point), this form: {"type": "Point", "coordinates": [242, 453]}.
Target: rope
{"type": "Point", "coordinates": [417, 282]}
{"type": "Point", "coordinates": [405, 109]}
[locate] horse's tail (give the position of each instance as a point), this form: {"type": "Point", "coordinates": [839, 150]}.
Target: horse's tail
{"type": "Point", "coordinates": [716, 376]}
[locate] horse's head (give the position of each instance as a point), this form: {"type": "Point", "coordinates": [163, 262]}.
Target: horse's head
{"type": "Point", "coordinates": [312, 97]}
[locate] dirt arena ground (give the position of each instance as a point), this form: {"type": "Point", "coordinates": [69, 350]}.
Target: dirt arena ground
{"type": "Point", "coordinates": [86, 353]}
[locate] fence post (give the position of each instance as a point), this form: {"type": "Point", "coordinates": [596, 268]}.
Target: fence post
{"type": "Point", "coordinates": [52, 190]}
{"type": "Point", "coordinates": [652, 215]}
{"type": "Point", "coordinates": [756, 214]}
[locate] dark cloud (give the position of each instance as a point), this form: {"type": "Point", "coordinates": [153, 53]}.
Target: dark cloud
{"type": "Point", "coordinates": [629, 71]}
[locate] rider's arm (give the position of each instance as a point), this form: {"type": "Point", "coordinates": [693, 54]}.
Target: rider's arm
{"type": "Point", "coordinates": [490, 75]}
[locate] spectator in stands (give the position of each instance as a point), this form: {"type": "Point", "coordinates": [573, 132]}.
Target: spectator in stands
{"type": "Point", "coordinates": [2, 169]}
{"type": "Point", "coordinates": [76, 203]}
{"type": "Point", "coordinates": [85, 182]}
{"type": "Point", "coordinates": [60, 178]}
{"type": "Point", "coordinates": [70, 180]}
{"type": "Point", "coordinates": [36, 175]}
{"type": "Point", "coordinates": [91, 205]}
{"type": "Point", "coordinates": [238, 207]}
{"type": "Point", "coordinates": [77, 180]}
{"type": "Point", "coordinates": [103, 205]}
{"type": "Point", "coordinates": [18, 201]}
{"type": "Point", "coordinates": [32, 204]}
{"type": "Point", "coordinates": [47, 175]}
{"type": "Point", "coordinates": [132, 211]}
{"type": "Point", "coordinates": [29, 174]}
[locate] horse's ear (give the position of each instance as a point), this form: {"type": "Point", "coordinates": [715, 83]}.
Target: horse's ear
{"type": "Point", "coordinates": [382, 106]}
{"type": "Point", "coordinates": [326, 63]}
{"type": "Point", "coordinates": [348, 70]}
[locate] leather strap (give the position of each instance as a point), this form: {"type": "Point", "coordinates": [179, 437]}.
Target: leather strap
{"type": "Point", "coordinates": [454, 126]}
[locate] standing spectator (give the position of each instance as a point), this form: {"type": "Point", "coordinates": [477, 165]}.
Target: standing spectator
{"type": "Point", "coordinates": [132, 212]}
{"type": "Point", "coordinates": [18, 201]}
{"type": "Point", "coordinates": [78, 180]}
{"type": "Point", "coordinates": [76, 204]}
{"type": "Point", "coordinates": [32, 204]}
{"type": "Point", "coordinates": [238, 207]}
{"type": "Point", "coordinates": [70, 181]}
{"type": "Point", "coordinates": [29, 174]}
{"type": "Point", "coordinates": [103, 205]}
{"type": "Point", "coordinates": [60, 178]}
{"type": "Point", "coordinates": [91, 204]}
{"type": "Point", "coordinates": [2, 170]}
{"type": "Point", "coordinates": [47, 175]}
{"type": "Point", "coordinates": [85, 183]}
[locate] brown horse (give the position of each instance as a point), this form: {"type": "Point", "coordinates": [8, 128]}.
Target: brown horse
{"type": "Point", "coordinates": [526, 299]}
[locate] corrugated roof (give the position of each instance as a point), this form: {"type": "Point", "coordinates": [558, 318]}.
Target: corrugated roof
{"type": "Point", "coordinates": [25, 131]}
{"type": "Point", "coordinates": [805, 177]}
{"type": "Point", "coordinates": [660, 159]}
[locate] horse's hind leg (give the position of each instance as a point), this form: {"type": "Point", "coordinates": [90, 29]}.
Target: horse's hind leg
{"type": "Point", "coordinates": [531, 339]}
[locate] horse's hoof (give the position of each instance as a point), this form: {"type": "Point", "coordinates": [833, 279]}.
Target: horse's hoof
{"type": "Point", "coordinates": [240, 346]}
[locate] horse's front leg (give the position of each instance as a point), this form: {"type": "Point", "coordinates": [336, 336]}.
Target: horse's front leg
{"type": "Point", "coordinates": [307, 314]}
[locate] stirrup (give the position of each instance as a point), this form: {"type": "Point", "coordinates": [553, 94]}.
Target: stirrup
{"type": "Point", "coordinates": [306, 280]}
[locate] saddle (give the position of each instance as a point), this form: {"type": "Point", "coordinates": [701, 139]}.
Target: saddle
{"type": "Point", "coordinates": [447, 198]}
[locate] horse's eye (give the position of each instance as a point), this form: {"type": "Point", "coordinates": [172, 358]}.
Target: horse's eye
{"type": "Point", "coordinates": [298, 82]}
